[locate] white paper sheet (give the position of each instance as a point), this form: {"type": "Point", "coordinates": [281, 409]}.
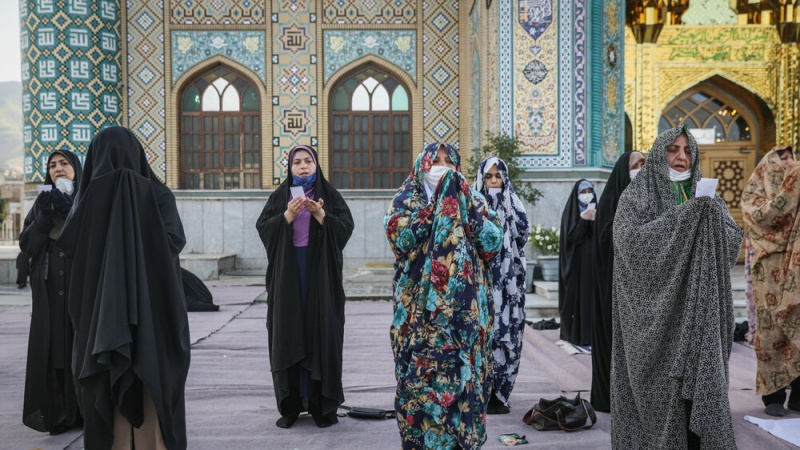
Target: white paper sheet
{"type": "Point", "coordinates": [706, 187]}
{"type": "Point", "coordinates": [786, 429]}
{"type": "Point", "coordinates": [591, 206]}
{"type": "Point", "coordinates": [44, 187]}
{"type": "Point", "coordinates": [297, 191]}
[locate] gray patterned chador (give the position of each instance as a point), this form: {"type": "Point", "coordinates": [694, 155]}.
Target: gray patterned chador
{"type": "Point", "coordinates": [673, 311]}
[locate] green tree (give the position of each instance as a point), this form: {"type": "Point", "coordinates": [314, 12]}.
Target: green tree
{"type": "Point", "coordinates": [508, 149]}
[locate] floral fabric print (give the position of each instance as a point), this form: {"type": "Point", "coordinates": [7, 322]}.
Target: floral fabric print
{"type": "Point", "coordinates": [442, 310]}
{"type": "Point", "coordinates": [508, 279]}
{"type": "Point", "coordinates": [770, 204]}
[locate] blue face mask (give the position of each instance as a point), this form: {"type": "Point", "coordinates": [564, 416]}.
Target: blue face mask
{"type": "Point", "coordinates": [306, 183]}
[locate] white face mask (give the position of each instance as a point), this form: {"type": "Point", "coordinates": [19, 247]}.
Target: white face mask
{"type": "Point", "coordinates": [634, 172]}
{"type": "Point", "coordinates": [433, 176]}
{"type": "Point", "coordinates": [585, 198]}
{"type": "Point", "coordinates": [674, 175]}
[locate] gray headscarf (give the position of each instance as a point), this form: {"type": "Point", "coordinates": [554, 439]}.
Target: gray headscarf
{"type": "Point", "coordinates": [672, 327]}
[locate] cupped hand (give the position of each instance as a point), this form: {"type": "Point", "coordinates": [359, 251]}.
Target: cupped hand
{"type": "Point", "coordinates": [293, 209]}
{"type": "Point", "coordinates": [315, 208]}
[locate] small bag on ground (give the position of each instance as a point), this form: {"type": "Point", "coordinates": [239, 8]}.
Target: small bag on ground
{"type": "Point", "coordinates": [358, 412]}
{"type": "Point", "coordinates": [561, 414]}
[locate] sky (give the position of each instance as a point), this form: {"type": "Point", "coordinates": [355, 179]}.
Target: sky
{"type": "Point", "coordinates": [9, 33]}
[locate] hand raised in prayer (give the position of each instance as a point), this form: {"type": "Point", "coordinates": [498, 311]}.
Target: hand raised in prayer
{"type": "Point", "coordinates": [293, 209]}
{"type": "Point", "coordinates": [315, 208]}
{"type": "Point", "coordinates": [44, 201]}
{"type": "Point", "coordinates": [589, 214]}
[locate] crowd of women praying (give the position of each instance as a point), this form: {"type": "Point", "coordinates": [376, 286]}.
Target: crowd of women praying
{"type": "Point", "coordinates": [644, 280]}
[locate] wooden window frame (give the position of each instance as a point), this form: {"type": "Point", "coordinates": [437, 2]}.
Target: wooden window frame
{"type": "Point", "coordinates": [212, 173]}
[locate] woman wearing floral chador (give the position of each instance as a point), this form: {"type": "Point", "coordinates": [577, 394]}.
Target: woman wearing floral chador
{"type": "Point", "coordinates": [770, 203]}
{"type": "Point", "coordinates": [508, 277]}
{"type": "Point", "coordinates": [441, 232]}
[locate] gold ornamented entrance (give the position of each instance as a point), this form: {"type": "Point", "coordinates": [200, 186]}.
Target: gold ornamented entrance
{"type": "Point", "coordinates": [734, 128]}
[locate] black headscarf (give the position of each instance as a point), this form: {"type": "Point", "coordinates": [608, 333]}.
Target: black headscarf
{"type": "Point", "coordinates": [570, 220]}
{"type": "Point", "coordinates": [74, 161]}
{"type": "Point", "coordinates": [126, 301]}
{"type": "Point", "coordinates": [314, 339]}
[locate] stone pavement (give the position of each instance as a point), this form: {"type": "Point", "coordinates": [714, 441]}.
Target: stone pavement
{"type": "Point", "coordinates": [230, 402]}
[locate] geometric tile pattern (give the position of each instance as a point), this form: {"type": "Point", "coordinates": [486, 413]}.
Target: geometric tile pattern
{"type": "Point", "coordinates": [613, 95]}
{"type": "Point", "coordinates": [70, 76]}
{"type": "Point", "coordinates": [217, 12]}
{"type": "Point", "coordinates": [294, 80]}
{"type": "Point", "coordinates": [492, 119]}
{"type": "Point", "coordinates": [440, 68]}
{"type": "Point", "coordinates": [191, 47]}
{"type": "Point", "coordinates": [475, 91]}
{"type": "Point", "coordinates": [536, 121]}
{"type": "Point", "coordinates": [505, 67]}
{"type": "Point", "coordinates": [146, 79]}
{"type": "Point", "coordinates": [344, 46]}
{"type": "Point", "coordinates": [368, 12]}
{"type": "Point", "coordinates": [580, 56]}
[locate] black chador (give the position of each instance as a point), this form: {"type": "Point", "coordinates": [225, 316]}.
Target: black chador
{"type": "Point", "coordinates": [604, 269]}
{"type": "Point", "coordinates": [125, 295]}
{"type": "Point", "coordinates": [576, 269]}
{"type": "Point", "coordinates": [306, 337]}
{"type": "Point", "coordinates": [50, 403]}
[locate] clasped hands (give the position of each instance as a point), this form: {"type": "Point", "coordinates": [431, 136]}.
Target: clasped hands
{"type": "Point", "coordinates": [297, 204]}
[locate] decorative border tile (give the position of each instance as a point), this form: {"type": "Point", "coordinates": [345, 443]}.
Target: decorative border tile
{"type": "Point", "coordinates": [192, 47]}
{"type": "Point", "coordinates": [294, 99]}
{"type": "Point", "coordinates": [345, 46]}
{"type": "Point", "coordinates": [369, 12]}
{"type": "Point", "coordinates": [146, 80]}
{"type": "Point", "coordinates": [440, 68]}
{"type": "Point", "coordinates": [217, 12]}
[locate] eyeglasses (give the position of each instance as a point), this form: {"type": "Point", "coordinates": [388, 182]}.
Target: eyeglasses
{"type": "Point", "coordinates": [489, 176]}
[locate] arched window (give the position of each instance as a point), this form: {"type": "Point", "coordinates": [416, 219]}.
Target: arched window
{"type": "Point", "coordinates": [220, 132]}
{"type": "Point", "coordinates": [370, 131]}
{"type": "Point", "coordinates": [699, 109]}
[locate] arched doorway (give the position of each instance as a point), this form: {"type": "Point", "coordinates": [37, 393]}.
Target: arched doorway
{"type": "Point", "coordinates": [733, 128]}
{"type": "Point", "coordinates": [220, 132]}
{"type": "Point", "coordinates": [370, 131]}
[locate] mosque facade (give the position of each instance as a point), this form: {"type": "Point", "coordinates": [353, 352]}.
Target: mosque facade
{"type": "Point", "coordinates": [219, 91]}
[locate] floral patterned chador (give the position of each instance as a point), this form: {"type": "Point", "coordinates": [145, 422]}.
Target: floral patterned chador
{"type": "Point", "coordinates": [508, 277]}
{"type": "Point", "coordinates": [443, 312]}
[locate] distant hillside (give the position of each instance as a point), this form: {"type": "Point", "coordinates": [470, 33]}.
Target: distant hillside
{"type": "Point", "coordinates": [11, 150]}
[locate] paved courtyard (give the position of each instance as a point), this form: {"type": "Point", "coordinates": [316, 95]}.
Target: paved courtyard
{"type": "Point", "coordinates": [230, 402]}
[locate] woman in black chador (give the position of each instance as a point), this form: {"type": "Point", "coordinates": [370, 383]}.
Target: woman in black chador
{"type": "Point", "coordinates": [304, 235]}
{"type": "Point", "coordinates": [50, 403]}
{"type": "Point", "coordinates": [576, 268]}
{"type": "Point", "coordinates": [126, 300]}
{"type": "Point", "coordinates": [626, 169]}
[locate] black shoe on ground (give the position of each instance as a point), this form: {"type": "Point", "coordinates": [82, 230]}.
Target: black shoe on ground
{"type": "Point", "coordinates": [775, 409]}
{"type": "Point", "coordinates": [496, 406]}
{"type": "Point", "coordinates": [286, 421]}
{"type": "Point", "coordinates": [325, 422]}
{"type": "Point", "coordinates": [794, 406]}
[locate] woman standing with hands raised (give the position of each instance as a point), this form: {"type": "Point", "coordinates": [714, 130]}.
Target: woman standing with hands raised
{"type": "Point", "coordinates": [304, 227]}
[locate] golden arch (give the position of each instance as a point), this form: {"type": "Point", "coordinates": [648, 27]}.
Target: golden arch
{"type": "Point", "coordinates": [694, 79]}
{"type": "Point", "coordinates": [173, 114]}
{"type": "Point", "coordinates": [323, 113]}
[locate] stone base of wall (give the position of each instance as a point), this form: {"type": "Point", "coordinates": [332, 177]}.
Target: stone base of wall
{"type": "Point", "coordinates": [224, 222]}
